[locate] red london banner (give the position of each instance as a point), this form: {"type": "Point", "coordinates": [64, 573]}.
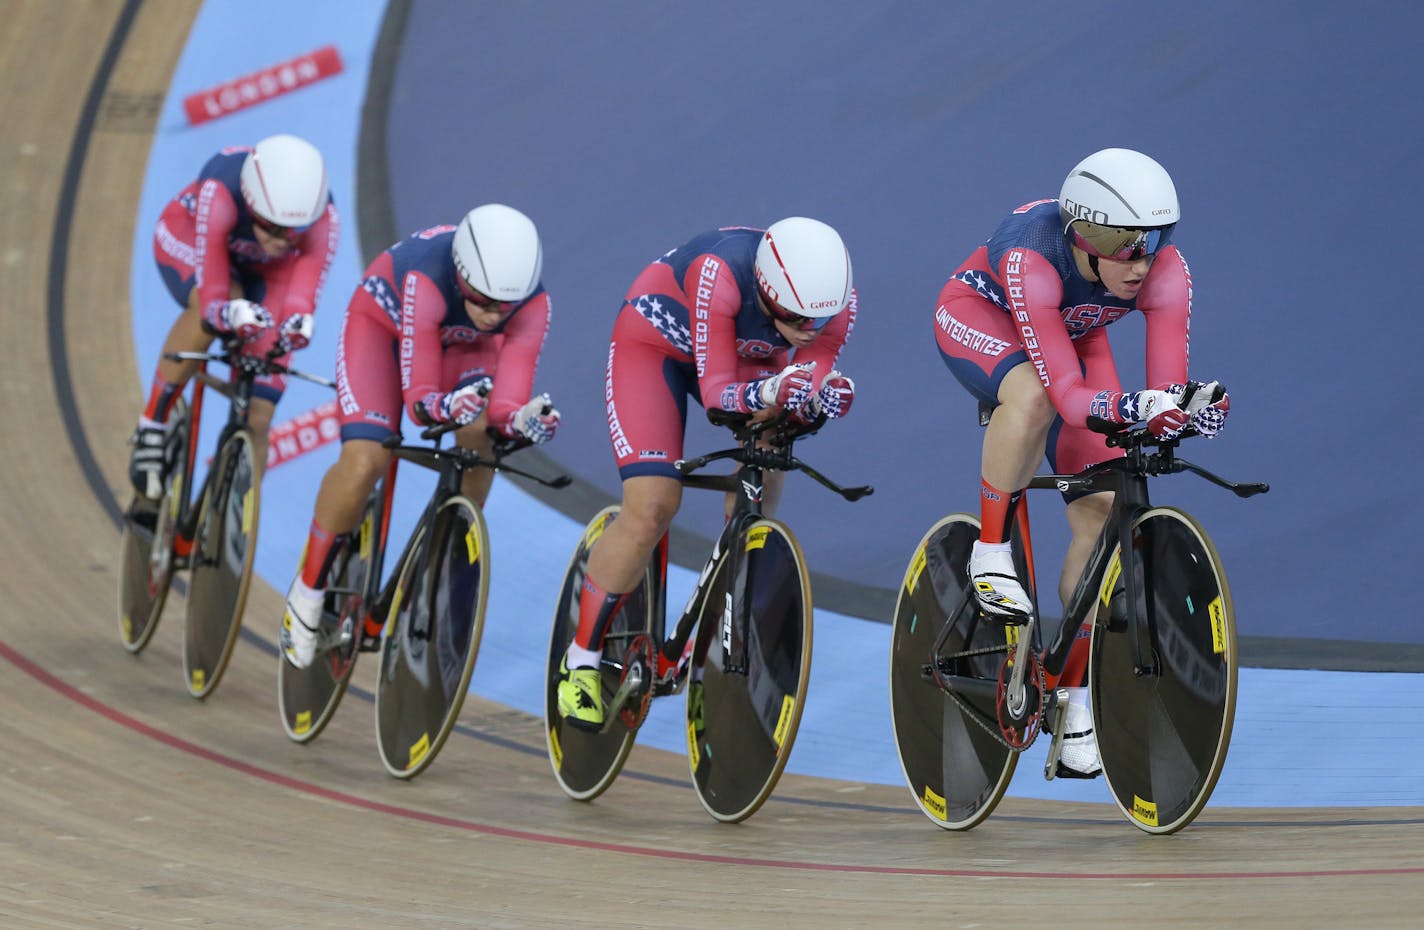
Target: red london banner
{"type": "Point", "coordinates": [259, 86]}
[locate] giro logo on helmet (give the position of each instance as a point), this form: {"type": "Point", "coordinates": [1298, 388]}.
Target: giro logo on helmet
{"type": "Point", "coordinates": [1082, 212]}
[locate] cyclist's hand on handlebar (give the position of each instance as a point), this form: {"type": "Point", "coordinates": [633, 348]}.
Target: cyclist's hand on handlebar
{"type": "Point", "coordinates": [296, 333]}
{"type": "Point", "coordinates": [241, 318]}
{"type": "Point", "coordinates": [536, 421]}
{"type": "Point", "coordinates": [462, 406]}
{"type": "Point", "coordinates": [835, 396]}
{"type": "Point", "coordinates": [789, 388]}
{"type": "Point", "coordinates": [1208, 407]}
{"type": "Point", "coordinates": [1155, 407]}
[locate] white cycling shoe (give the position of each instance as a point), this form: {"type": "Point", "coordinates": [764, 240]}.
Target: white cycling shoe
{"type": "Point", "coordinates": [996, 583]}
{"type": "Point", "coordinates": [1079, 758]}
{"type": "Point", "coordinates": [300, 624]}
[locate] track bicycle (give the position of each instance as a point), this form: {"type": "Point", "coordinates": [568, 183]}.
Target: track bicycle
{"type": "Point", "coordinates": [213, 534]}
{"type": "Point", "coordinates": [425, 622]}
{"type": "Point", "coordinates": [749, 663]}
{"type": "Point", "coordinates": [970, 693]}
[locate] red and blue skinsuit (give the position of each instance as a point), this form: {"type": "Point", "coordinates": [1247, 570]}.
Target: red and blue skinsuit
{"type": "Point", "coordinates": [691, 326]}
{"type": "Point", "coordinates": [407, 335]}
{"type": "Point", "coordinates": [204, 240]}
{"type": "Point", "coordinates": [1021, 298]}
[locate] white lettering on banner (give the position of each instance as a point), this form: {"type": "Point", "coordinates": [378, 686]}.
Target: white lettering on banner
{"type": "Point", "coordinates": [706, 279]}
{"type": "Point", "coordinates": [272, 81]}
{"type": "Point", "coordinates": [968, 336]}
{"type": "Point", "coordinates": [303, 433]}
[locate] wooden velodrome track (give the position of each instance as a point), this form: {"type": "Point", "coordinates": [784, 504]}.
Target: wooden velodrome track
{"type": "Point", "coordinates": [128, 804]}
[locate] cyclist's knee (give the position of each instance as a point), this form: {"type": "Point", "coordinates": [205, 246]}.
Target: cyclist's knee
{"type": "Point", "coordinates": [364, 461]}
{"type": "Point", "coordinates": [648, 509]}
{"type": "Point", "coordinates": [259, 416]}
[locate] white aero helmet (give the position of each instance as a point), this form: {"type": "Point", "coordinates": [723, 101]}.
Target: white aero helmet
{"type": "Point", "coordinates": [497, 254]}
{"type": "Point", "coordinates": [284, 182]}
{"type": "Point", "coordinates": [803, 271]}
{"type": "Point", "coordinates": [1118, 204]}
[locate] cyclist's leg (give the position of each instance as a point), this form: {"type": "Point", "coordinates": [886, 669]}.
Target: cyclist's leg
{"type": "Point", "coordinates": [647, 412]}
{"type": "Point", "coordinates": [368, 391]}
{"type": "Point", "coordinates": [1072, 449]}
{"type": "Point", "coordinates": [978, 344]}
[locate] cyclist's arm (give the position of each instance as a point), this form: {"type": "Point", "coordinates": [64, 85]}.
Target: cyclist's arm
{"type": "Point", "coordinates": [1035, 293]}
{"type": "Point", "coordinates": [827, 347]}
{"type": "Point", "coordinates": [1099, 367]}
{"type": "Point", "coordinates": [1166, 303]}
{"type": "Point", "coordinates": [716, 299]}
{"type": "Point", "coordinates": [422, 310]}
{"type": "Point", "coordinates": [308, 272]}
{"type": "Point", "coordinates": [519, 358]}
{"type": "Point", "coordinates": [214, 219]}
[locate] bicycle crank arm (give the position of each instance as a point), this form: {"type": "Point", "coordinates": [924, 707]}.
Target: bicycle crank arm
{"type": "Point", "coordinates": [631, 685]}
{"type": "Point", "coordinates": [1059, 711]}
{"type": "Point", "coordinates": [1016, 695]}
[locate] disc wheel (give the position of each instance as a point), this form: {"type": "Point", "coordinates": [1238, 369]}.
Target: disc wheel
{"type": "Point", "coordinates": [308, 697]}
{"type": "Point", "coordinates": [432, 637]}
{"type": "Point", "coordinates": [1164, 735]}
{"type": "Point", "coordinates": [146, 545]}
{"type": "Point", "coordinates": [956, 768]}
{"type": "Point", "coordinates": [586, 762]}
{"type": "Point", "coordinates": [750, 671]}
{"type": "Point", "coordinates": [223, 548]}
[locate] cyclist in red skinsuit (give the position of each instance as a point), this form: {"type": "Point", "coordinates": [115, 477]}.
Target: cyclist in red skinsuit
{"type": "Point", "coordinates": [449, 324]}
{"type": "Point", "coordinates": [739, 319]}
{"type": "Point", "coordinates": [1021, 324]}
{"type": "Point", "coordinates": [244, 250]}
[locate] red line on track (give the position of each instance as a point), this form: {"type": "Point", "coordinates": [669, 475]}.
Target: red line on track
{"type": "Point", "coordinates": [154, 733]}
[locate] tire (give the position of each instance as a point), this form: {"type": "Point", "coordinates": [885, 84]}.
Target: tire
{"type": "Point", "coordinates": [146, 546]}
{"type": "Point", "coordinates": [585, 763]}
{"type": "Point", "coordinates": [754, 676]}
{"type": "Point", "coordinates": [1164, 737]}
{"type": "Point", "coordinates": [432, 637]}
{"type": "Point", "coordinates": [223, 548]}
{"type": "Point", "coordinates": [956, 770]}
{"type": "Point", "coordinates": [308, 697]}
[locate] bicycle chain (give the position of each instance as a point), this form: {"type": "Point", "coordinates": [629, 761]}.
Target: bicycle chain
{"type": "Point", "coordinates": [970, 712]}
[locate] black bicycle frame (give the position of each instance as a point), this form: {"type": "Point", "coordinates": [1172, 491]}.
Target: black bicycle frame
{"type": "Point", "coordinates": [239, 395]}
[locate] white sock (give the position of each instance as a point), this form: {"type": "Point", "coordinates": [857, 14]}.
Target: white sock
{"type": "Point", "coordinates": [579, 657]}
{"type": "Point", "coordinates": [981, 546]}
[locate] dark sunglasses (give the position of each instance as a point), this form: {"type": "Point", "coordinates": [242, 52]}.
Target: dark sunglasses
{"type": "Point", "coordinates": [276, 231]}
{"type": "Point", "coordinates": [794, 320]}
{"type": "Point", "coordinates": [479, 299]}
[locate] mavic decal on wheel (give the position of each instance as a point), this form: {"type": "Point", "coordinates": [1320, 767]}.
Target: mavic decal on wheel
{"type": "Point", "coordinates": [472, 545]}
{"type": "Point", "coordinates": [303, 723]}
{"type": "Point", "coordinates": [1110, 578]}
{"type": "Point", "coordinates": [783, 723]}
{"type": "Point", "coordinates": [756, 539]}
{"type": "Point", "coordinates": [419, 748]}
{"type": "Point", "coordinates": [1217, 611]}
{"type": "Point", "coordinates": [917, 568]}
{"type": "Point", "coordinates": [247, 511]}
{"type": "Point", "coordinates": [198, 677]}
{"type": "Point", "coordinates": [935, 804]}
{"type": "Point", "coordinates": [595, 530]}
{"type": "Point", "coordinates": [1144, 811]}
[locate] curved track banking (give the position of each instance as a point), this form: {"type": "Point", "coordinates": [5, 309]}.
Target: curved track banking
{"type": "Point", "coordinates": [127, 803]}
